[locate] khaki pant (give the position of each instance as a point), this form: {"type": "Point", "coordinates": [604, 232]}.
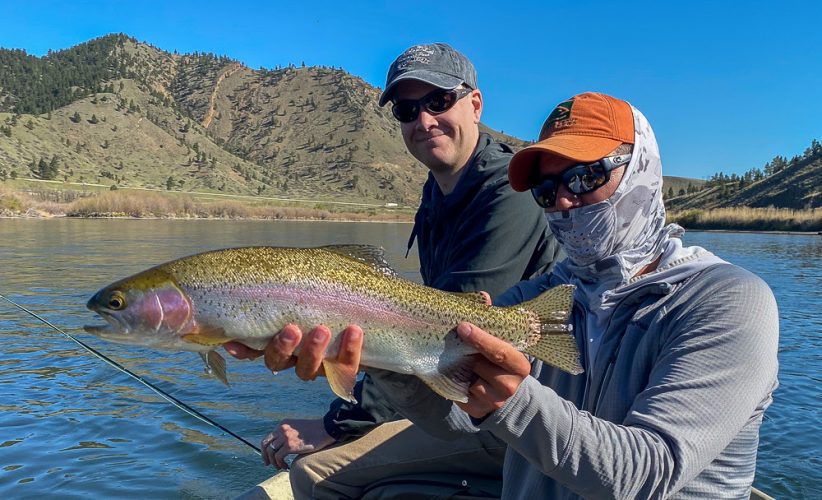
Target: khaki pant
{"type": "Point", "coordinates": [394, 449]}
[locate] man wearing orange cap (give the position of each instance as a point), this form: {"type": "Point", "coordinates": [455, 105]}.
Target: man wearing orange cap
{"type": "Point", "coordinates": [679, 346]}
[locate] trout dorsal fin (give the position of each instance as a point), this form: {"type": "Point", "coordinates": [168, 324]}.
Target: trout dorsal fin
{"type": "Point", "coordinates": [478, 297]}
{"type": "Point", "coordinates": [372, 255]}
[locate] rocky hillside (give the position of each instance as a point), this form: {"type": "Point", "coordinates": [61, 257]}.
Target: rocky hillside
{"type": "Point", "coordinates": [117, 112]}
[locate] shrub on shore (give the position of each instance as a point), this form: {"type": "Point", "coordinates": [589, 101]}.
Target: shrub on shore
{"type": "Point", "coordinates": [121, 204]}
{"type": "Point", "coordinates": [12, 203]}
{"type": "Point", "coordinates": [17, 204]}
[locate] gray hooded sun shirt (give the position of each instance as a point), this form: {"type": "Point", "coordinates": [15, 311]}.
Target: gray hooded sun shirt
{"type": "Point", "coordinates": [680, 362]}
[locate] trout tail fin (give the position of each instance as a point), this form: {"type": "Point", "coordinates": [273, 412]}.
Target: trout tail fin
{"type": "Point", "coordinates": [551, 339]}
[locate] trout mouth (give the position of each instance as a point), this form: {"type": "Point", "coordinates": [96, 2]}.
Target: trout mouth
{"type": "Point", "coordinates": [114, 327]}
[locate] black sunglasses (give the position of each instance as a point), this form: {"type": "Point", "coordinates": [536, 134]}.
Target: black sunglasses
{"type": "Point", "coordinates": [435, 103]}
{"type": "Point", "coordinates": [579, 179]}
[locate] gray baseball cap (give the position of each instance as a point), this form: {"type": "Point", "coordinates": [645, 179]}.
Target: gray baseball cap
{"type": "Point", "coordinates": [437, 64]}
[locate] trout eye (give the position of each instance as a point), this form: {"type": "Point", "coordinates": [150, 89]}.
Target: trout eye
{"type": "Point", "coordinates": [116, 301]}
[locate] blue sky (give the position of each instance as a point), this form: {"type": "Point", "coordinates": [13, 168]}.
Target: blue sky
{"type": "Point", "coordinates": [726, 85]}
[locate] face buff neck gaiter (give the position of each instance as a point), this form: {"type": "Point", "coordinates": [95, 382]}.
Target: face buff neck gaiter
{"type": "Point", "coordinates": [614, 239]}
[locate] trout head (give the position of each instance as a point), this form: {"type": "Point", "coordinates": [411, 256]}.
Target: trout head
{"type": "Point", "coordinates": [146, 309]}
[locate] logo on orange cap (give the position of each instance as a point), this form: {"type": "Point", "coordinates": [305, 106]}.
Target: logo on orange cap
{"type": "Point", "coordinates": [559, 117]}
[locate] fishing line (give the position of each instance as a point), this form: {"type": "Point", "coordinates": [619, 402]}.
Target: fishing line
{"type": "Point", "coordinates": [168, 397]}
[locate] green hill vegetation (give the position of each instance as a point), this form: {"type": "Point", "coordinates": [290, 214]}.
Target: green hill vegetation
{"type": "Point", "coordinates": [33, 85]}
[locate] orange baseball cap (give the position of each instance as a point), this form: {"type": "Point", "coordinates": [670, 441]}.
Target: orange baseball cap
{"type": "Point", "coordinates": [584, 128]}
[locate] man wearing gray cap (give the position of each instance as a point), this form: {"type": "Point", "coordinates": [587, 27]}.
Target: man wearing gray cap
{"type": "Point", "coordinates": [473, 233]}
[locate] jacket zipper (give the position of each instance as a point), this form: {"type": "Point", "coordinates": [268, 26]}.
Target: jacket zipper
{"type": "Point", "coordinates": [613, 357]}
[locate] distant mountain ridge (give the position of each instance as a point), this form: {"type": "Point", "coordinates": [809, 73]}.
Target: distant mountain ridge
{"type": "Point", "coordinates": [120, 112]}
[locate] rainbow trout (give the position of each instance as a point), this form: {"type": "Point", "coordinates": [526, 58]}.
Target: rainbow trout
{"type": "Point", "coordinates": [200, 302]}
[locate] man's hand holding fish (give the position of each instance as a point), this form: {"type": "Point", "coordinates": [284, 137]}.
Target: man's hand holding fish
{"type": "Point", "coordinates": [499, 370]}
{"type": "Point", "coordinates": [280, 351]}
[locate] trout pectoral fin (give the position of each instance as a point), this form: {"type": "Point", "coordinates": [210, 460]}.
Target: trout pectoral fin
{"type": "Point", "coordinates": [215, 365]}
{"type": "Point", "coordinates": [451, 382]}
{"type": "Point", "coordinates": [340, 379]}
{"type": "Point", "coordinates": [208, 336]}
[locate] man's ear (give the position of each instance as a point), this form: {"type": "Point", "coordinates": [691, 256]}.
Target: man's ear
{"type": "Point", "coordinates": [476, 102]}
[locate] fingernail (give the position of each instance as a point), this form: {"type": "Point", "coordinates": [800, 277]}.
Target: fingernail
{"type": "Point", "coordinates": [464, 330]}
{"type": "Point", "coordinates": [355, 334]}
{"type": "Point", "coordinates": [320, 337]}
{"type": "Point", "coordinates": [288, 337]}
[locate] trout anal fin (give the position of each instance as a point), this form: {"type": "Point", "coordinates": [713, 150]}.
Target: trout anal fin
{"type": "Point", "coordinates": [452, 381]}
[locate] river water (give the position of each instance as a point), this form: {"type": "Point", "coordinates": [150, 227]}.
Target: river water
{"type": "Point", "coordinates": [72, 426]}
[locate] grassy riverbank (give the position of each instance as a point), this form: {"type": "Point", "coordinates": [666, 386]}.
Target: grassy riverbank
{"type": "Point", "coordinates": [750, 219]}
{"type": "Point", "coordinates": [156, 204]}
{"type": "Point", "coordinates": [151, 204]}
